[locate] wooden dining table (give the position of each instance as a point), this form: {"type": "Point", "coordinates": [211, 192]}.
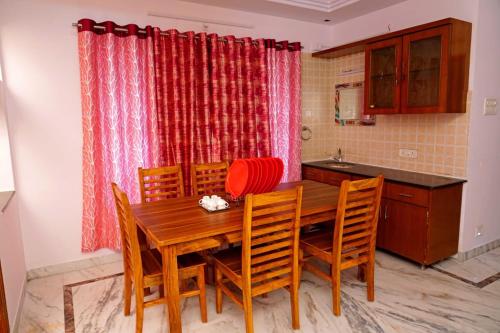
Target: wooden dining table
{"type": "Point", "coordinates": [180, 226]}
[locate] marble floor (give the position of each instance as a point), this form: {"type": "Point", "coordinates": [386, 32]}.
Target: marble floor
{"type": "Point", "coordinates": [407, 299]}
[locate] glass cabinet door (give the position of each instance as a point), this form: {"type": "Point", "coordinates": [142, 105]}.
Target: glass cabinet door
{"type": "Point", "coordinates": [425, 71]}
{"type": "Point", "coordinates": [381, 76]}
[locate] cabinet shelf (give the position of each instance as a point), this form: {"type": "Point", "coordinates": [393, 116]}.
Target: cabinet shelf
{"type": "Point", "coordinates": [436, 69]}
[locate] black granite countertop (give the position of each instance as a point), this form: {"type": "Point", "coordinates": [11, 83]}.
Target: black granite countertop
{"type": "Point", "coordinates": [395, 175]}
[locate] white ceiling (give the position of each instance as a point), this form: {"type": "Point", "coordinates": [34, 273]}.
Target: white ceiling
{"type": "Point", "coordinates": [316, 11]}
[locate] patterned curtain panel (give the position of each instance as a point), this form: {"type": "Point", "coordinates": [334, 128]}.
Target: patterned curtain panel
{"type": "Point", "coordinates": [120, 129]}
{"type": "Point", "coordinates": [211, 97]}
{"type": "Point", "coordinates": [284, 91]}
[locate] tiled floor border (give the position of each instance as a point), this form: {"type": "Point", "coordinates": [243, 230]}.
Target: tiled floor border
{"type": "Point", "coordinates": [480, 284]}
{"type": "Point", "coordinates": [69, 312]}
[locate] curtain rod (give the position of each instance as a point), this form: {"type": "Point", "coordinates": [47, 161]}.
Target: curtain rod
{"type": "Point", "coordinates": [100, 27]}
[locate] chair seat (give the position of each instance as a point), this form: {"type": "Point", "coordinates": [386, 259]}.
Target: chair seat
{"type": "Point", "coordinates": [153, 273]}
{"type": "Point", "coordinates": [229, 262]}
{"type": "Point", "coordinates": [321, 239]}
{"type": "Point", "coordinates": [231, 258]}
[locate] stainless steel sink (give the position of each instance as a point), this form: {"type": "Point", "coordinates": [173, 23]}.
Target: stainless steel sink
{"type": "Point", "coordinates": [340, 165]}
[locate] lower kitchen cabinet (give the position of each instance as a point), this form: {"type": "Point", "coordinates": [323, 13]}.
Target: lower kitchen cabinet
{"type": "Point", "coordinates": [416, 222]}
{"type": "Point", "coordinates": [402, 229]}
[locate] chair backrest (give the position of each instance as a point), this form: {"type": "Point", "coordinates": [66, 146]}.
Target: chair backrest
{"type": "Point", "coordinates": [209, 178]}
{"type": "Point", "coordinates": [270, 243]}
{"type": "Point", "coordinates": [161, 183]}
{"type": "Point", "coordinates": [355, 228]}
{"type": "Point", "coordinates": [128, 230]}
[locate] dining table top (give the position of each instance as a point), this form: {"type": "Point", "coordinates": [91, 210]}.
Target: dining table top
{"type": "Point", "coordinates": [181, 220]}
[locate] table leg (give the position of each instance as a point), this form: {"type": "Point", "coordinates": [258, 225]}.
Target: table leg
{"type": "Point", "coordinates": [171, 287]}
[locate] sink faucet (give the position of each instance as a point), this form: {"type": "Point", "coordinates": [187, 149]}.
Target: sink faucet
{"type": "Point", "coordinates": [339, 157]}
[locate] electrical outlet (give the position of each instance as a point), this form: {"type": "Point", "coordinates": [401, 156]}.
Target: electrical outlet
{"type": "Point", "coordinates": [408, 153]}
{"type": "Point", "coordinates": [490, 107]}
{"type": "Point", "coordinates": [478, 231]}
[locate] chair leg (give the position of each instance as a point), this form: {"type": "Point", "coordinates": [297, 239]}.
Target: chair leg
{"type": "Point", "coordinates": [247, 308]}
{"type": "Point", "coordinates": [362, 273]}
{"type": "Point", "coordinates": [301, 263]}
{"type": "Point", "coordinates": [127, 293]}
{"type": "Point", "coordinates": [370, 282]}
{"type": "Point", "coordinates": [335, 291]}
{"type": "Point", "coordinates": [139, 309]}
{"type": "Point", "coordinates": [294, 302]}
{"type": "Point", "coordinates": [218, 290]}
{"type": "Point", "coordinates": [200, 280]}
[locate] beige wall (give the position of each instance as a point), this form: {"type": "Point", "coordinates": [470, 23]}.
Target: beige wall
{"type": "Point", "coordinates": [440, 139]}
{"type": "Point", "coordinates": [317, 106]}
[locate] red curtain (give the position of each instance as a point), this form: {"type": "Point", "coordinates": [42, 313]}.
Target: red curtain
{"type": "Point", "coordinates": [119, 122]}
{"type": "Point", "coordinates": [211, 98]}
{"type": "Point", "coordinates": [285, 113]}
{"type": "Point", "coordinates": [151, 98]}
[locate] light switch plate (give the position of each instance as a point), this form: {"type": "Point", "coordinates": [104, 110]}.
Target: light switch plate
{"type": "Point", "coordinates": [409, 153]}
{"type": "Point", "coordinates": [490, 106]}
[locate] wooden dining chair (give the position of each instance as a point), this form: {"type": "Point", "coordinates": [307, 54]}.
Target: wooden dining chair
{"type": "Point", "coordinates": [352, 241]}
{"type": "Point", "coordinates": [143, 268]}
{"type": "Point", "coordinates": [210, 178]}
{"type": "Point", "coordinates": [268, 258]}
{"type": "Point", "coordinates": [161, 183]}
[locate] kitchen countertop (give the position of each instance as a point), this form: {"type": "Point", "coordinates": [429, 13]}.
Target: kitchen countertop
{"type": "Point", "coordinates": [395, 175]}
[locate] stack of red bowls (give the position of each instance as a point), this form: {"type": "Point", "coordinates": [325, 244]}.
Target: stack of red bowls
{"type": "Point", "coordinates": [253, 175]}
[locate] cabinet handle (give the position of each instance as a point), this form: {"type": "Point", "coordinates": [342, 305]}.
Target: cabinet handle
{"type": "Point", "coordinates": [385, 213]}
{"type": "Point", "coordinates": [406, 195]}
{"type": "Point", "coordinates": [372, 106]}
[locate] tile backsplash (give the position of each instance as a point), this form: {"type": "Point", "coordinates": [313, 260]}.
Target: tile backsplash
{"type": "Point", "coordinates": [440, 139]}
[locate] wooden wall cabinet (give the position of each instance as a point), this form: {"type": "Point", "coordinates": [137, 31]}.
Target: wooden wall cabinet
{"type": "Point", "coordinates": [421, 224]}
{"type": "Point", "coordinates": [422, 69]}
{"type": "Point", "coordinates": [425, 71]}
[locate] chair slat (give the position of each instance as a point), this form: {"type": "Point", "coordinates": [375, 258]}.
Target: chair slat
{"type": "Point", "coordinates": [272, 237]}
{"type": "Point", "coordinates": [272, 228]}
{"type": "Point", "coordinates": [355, 212]}
{"type": "Point", "coordinates": [271, 274]}
{"type": "Point", "coordinates": [274, 209]}
{"type": "Point", "coordinates": [271, 247]}
{"type": "Point", "coordinates": [270, 256]}
{"type": "Point", "coordinates": [273, 219]}
{"type": "Point", "coordinates": [270, 265]}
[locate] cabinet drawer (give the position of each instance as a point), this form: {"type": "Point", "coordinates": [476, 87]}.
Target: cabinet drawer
{"type": "Point", "coordinates": [324, 176]}
{"type": "Point", "coordinates": [312, 174]}
{"type": "Point", "coordinates": [335, 178]}
{"type": "Point", "coordinates": [410, 194]}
